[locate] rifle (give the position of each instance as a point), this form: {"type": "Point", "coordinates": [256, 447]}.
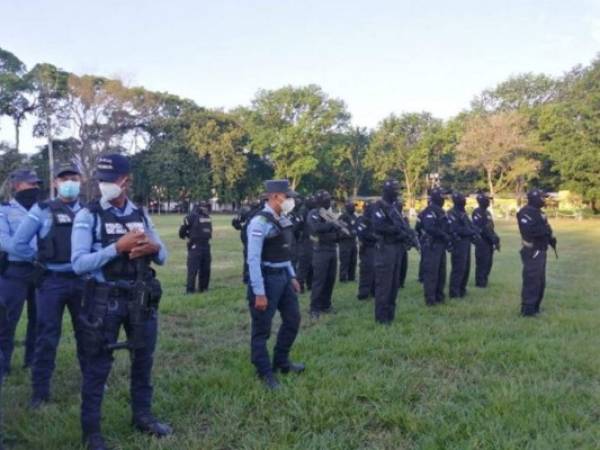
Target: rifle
{"type": "Point", "coordinates": [553, 245]}
{"type": "Point", "coordinates": [330, 217]}
{"type": "Point", "coordinates": [138, 307]}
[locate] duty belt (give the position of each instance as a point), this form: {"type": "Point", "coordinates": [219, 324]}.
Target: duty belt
{"type": "Point", "coordinates": [527, 244]}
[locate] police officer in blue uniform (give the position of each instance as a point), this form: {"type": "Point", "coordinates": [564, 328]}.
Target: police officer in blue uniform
{"type": "Point", "coordinates": [463, 233]}
{"type": "Point", "coordinates": [17, 274]}
{"type": "Point", "coordinates": [367, 239]}
{"type": "Point", "coordinates": [536, 235]}
{"type": "Point", "coordinates": [51, 222]}
{"type": "Point", "coordinates": [273, 285]}
{"type": "Point", "coordinates": [113, 244]}
{"type": "Point", "coordinates": [435, 240]}
{"type": "Point", "coordinates": [490, 241]}
{"type": "Point", "coordinates": [197, 229]}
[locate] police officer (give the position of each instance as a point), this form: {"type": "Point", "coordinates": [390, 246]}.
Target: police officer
{"type": "Point", "coordinates": [347, 244]}
{"type": "Point", "coordinates": [197, 229]}
{"type": "Point", "coordinates": [51, 222]}
{"type": "Point", "coordinates": [325, 235]}
{"type": "Point", "coordinates": [391, 233]}
{"type": "Point", "coordinates": [273, 285]}
{"type": "Point", "coordinates": [463, 233]}
{"type": "Point", "coordinates": [490, 241]}
{"type": "Point", "coordinates": [406, 247]}
{"type": "Point", "coordinates": [240, 222]}
{"type": "Point", "coordinates": [536, 235]}
{"type": "Point", "coordinates": [297, 220]}
{"type": "Point", "coordinates": [367, 239]}
{"type": "Point", "coordinates": [16, 277]}
{"type": "Point", "coordinates": [436, 239]}
{"type": "Point", "coordinates": [305, 247]}
{"type": "Point", "coordinates": [113, 243]}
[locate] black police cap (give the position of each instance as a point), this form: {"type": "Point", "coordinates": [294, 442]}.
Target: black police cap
{"type": "Point", "coordinates": [111, 167]}
{"type": "Point", "coordinates": [279, 186]}
{"type": "Point", "coordinates": [24, 175]}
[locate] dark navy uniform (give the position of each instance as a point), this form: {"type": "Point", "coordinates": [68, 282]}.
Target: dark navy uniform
{"type": "Point", "coordinates": [271, 273]}
{"type": "Point", "coordinates": [325, 236]}
{"type": "Point", "coordinates": [51, 222]}
{"type": "Point", "coordinates": [348, 247]}
{"type": "Point", "coordinates": [197, 228]}
{"type": "Point", "coordinates": [368, 240]}
{"type": "Point", "coordinates": [305, 247]}
{"type": "Point", "coordinates": [17, 286]}
{"type": "Point", "coordinates": [297, 219]}
{"type": "Point", "coordinates": [119, 292]}
{"type": "Point", "coordinates": [463, 233]}
{"type": "Point", "coordinates": [405, 248]}
{"type": "Point", "coordinates": [436, 238]}
{"type": "Point", "coordinates": [484, 247]}
{"type": "Point", "coordinates": [536, 235]}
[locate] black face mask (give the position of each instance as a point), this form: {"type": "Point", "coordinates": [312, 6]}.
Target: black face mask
{"type": "Point", "coordinates": [484, 203]}
{"type": "Point", "coordinates": [326, 203]}
{"type": "Point", "coordinates": [390, 196]}
{"type": "Point", "coordinates": [459, 204]}
{"type": "Point", "coordinates": [27, 197]}
{"type": "Point", "coordinates": [537, 202]}
{"type": "Point", "coordinates": [351, 209]}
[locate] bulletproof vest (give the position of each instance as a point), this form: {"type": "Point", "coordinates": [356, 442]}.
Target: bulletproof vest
{"type": "Point", "coordinates": [364, 230]}
{"type": "Point", "coordinates": [530, 220]}
{"type": "Point", "coordinates": [278, 247]}
{"type": "Point", "coordinates": [441, 219]}
{"type": "Point", "coordinates": [350, 220]}
{"type": "Point", "coordinates": [55, 247]}
{"type": "Point", "coordinates": [200, 228]}
{"type": "Point", "coordinates": [112, 228]}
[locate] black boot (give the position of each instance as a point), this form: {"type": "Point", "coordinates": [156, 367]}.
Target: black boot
{"type": "Point", "coordinates": [149, 424]}
{"type": "Point", "coordinates": [290, 367]}
{"type": "Point", "coordinates": [270, 382]}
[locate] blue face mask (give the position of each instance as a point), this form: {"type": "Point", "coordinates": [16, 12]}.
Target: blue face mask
{"type": "Point", "coordinates": [69, 189]}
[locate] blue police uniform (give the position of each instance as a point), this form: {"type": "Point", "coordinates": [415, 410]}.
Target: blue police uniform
{"type": "Point", "coordinates": [91, 255]}
{"type": "Point", "coordinates": [51, 223]}
{"type": "Point", "coordinates": [15, 285]}
{"type": "Point", "coordinates": [271, 271]}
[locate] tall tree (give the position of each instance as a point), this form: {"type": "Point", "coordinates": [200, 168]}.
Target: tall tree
{"type": "Point", "coordinates": [290, 126]}
{"type": "Point", "coordinates": [496, 144]}
{"type": "Point", "coordinates": [401, 148]}
{"type": "Point", "coordinates": [349, 156]}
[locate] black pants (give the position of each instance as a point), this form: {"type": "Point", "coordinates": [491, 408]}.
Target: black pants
{"type": "Point", "coordinates": [282, 298]}
{"type": "Point", "coordinates": [348, 260]}
{"type": "Point", "coordinates": [434, 272]}
{"type": "Point", "coordinates": [198, 267]}
{"type": "Point", "coordinates": [484, 258]}
{"type": "Point", "coordinates": [534, 280]}
{"type": "Point", "coordinates": [403, 266]}
{"type": "Point", "coordinates": [324, 272]}
{"type": "Point", "coordinates": [461, 266]}
{"type": "Point", "coordinates": [366, 271]}
{"type": "Point", "coordinates": [387, 280]}
{"type": "Point", "coordinates": [305, 264]}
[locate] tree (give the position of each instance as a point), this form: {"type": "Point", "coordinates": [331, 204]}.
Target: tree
{"type": "Point", "coordinates": [14, 89]}
{"type": "Point", "coordinates": [348, 162]}
{"type": "Point", "coordinates": [50, 86]}
{"type": "Point", "coordinates": [401, 148]}
{"type": "Point", "coordinates": [290, 126]}
{"type": "Point", "coordinates": [495, 144]}
{"type": "Point", "coordinates": [570, 133]}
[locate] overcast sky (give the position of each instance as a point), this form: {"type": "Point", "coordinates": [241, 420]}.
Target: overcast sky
{"type": "Point", "coordinates": [380, 56]}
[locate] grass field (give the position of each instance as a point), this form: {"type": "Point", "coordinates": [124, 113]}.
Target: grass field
{"type": "Point", "coordinates": [469, 374]}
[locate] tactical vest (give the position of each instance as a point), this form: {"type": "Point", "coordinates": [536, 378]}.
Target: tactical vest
{"type": "Point", "coordinates": [55, 247]}
{"type": "Point", "coordinates": [278, 247]}
{"type": "Point", "coordinates": [112, 228]}
{"type": "Point", "coordinates": [200, 228]}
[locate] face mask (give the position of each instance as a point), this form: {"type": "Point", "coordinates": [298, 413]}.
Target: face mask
{"type": "Point", "coordinates": [109, 191]}
{"type": "Point", "coordinates": [326, 204]}
{"type": "Point", "coordinates": [69, 189]}
{"type": "Point", "coordinates": [27, 197]}
{"type": "Point", "coordinates": [484, 203]}
{"type": "Point", "coordinates": [288, 205]}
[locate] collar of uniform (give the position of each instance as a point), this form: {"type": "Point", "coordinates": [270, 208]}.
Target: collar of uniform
{"type": "Point", "coordinates": [106, 205]}
{"type": "Point", "coordinates": [268, 209]}
{"type": "Point", "coordinates": [15, 204]}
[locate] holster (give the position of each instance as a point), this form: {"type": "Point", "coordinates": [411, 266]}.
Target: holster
{"type": "Point", "coordinates": [95, 305]}
{"type": "Point", "coordinates": [37, 274]}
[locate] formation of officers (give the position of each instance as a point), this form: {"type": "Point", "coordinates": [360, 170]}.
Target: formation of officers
{"type": "Point", "coordinates": [96, 261]}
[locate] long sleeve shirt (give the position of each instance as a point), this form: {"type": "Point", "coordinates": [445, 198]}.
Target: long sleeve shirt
{"type": "Point", "coordinates": [11, 216]}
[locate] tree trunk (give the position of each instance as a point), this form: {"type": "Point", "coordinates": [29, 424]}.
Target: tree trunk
{"type": "Point", "coordinates": [354, 191]}
{"type": "Point", "coordinates": [50, 155]}
{"type": "Point", "coordinates": [17, 134]}
{"type": "Point", "coordinates": [409, 191]}
{"type": "Point", "coordinates": [594, 206]}
{"type": "Point", "coordinates": [490, 182]}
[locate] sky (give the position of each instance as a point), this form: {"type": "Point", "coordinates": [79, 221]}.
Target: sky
{"type": "Point", "coordinates": [379, 56]}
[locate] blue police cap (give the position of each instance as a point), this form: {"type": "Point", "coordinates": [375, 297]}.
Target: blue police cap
{"type": "Point", "coordinates": [24, 176]}
{"type": "Point", "coordinates": [64, 169]}
{"type": "Point", "coordinates": [279, 186]}
{"type": "Point", "coordinates": [111, 167]}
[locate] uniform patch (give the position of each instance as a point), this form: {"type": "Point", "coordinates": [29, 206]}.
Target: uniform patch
{"type": "Point", "coordinates": [63, 218]}
{"type": "Point", "coordinates": [257, 233]}
{"type": "Point", "coordinates": [379, 214]}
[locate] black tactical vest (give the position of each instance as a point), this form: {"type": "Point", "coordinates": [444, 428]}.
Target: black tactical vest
{"type": "Point", "coordinates": [200, 228]}
{"type": "Point", "coordinates": [112, 228]}
{"type": "Point", "coordinates": [55, 247]}
{"type": "Point", "coordinates": [278, 247]}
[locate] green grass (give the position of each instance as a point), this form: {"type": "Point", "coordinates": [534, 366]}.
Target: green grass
{"type": "Point", "coordinates": [470, 374]}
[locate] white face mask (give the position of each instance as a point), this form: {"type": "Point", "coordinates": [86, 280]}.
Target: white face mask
{"type": "Point", "coordinates": [288, 205]}
{"type": "Point", "coordinates": [109, 191]}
